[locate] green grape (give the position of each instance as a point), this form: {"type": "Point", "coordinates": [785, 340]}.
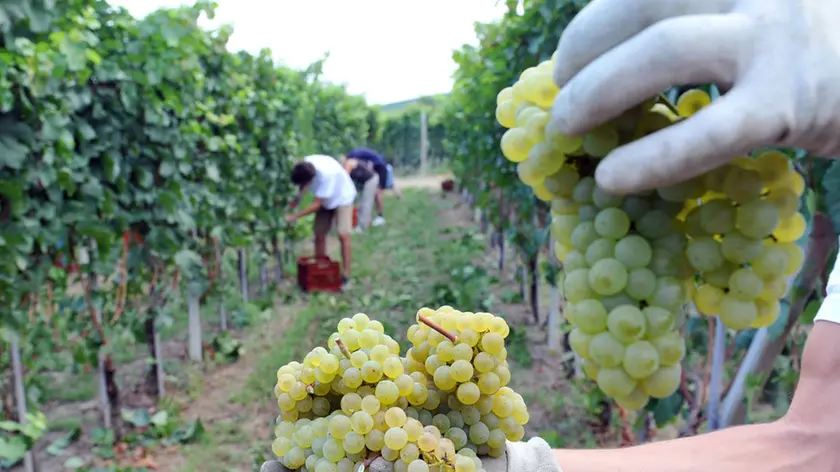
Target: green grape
{"type": "Point", "coordinates": [489, 383]}
{"type": "Point", "coordinates": [395, 417]}
{"type": "Point", "coordinates": [580, 342]}
{"type": "Point", "coordinates": [502, 406]}
{"type": "Point", "coordinates": [600, 141]}
{"type": "Point", "coordinates": [590, 316]}
{"type": "Point", "coordinates": [772, 262]}
{"type": "Point", "coordinates": [461, 370]}
{"type": "Point", "coordinates": [462, 351]}
{"type": "Point", "coordinates": [583, 235]}
{"type": "Point", "coordinates": [329, 364]}
{"type": "Point", "coordinates": [635, 401]}
{"type": "Point", "coordinates": [607, 277]}
{"type": "Point", "coordinates": [362, 422]}
{"type": "Point", "coordinates": [351, 403]}
{"type": "Point", "coordinates": [662, 384]}
{"type": "Point", "coordinates": [375, 440]}
{"type": "Point", "coordinates": [413, 429]}
{"type": "Point", "coordinates": [457, 436]}
{"type": "Point", "coordinates": [641, 359]}
{"type": "Point", "coordinates": [615, 382]}
{"type": "Point", "coordinates": [612, 223]}
{"type": "Point", "coordinates": [396, 438]}
{"type": "Point", "coordinates": [344, 324]}
{"type": "Point", "coordinates": [520, 413]}
{"type": "Point", "coordinates": [654, 224]}
{"type": "Point", "coordinates": [717, 216]}
{"type": "Point", "coordinates": [744, 284]}
{"type": "Point", "coordinates": [737, 314]}
{"type": "Point", "coordinates": [371, 404]}
{"type": "Point", "coordinates": [705, 254]}
{"type": "Point", "coordinates": [641, 283]}
{"type": "Point", "coordinates": [633, 251]}
{"type": "Point", "coordinates": [627, 323]}
{"type": "Point", "coordinates": [295, 458]}
{"type": "Point", "coordinates": [371, 371]}
{"type": "Point", "coordinates": [484, 362]}
{"type": "Point", "coordinates": [496, 438]}
{"type": "Point", "coordinates": [339, 426]}
{"type": "Point", "coordinates": [582, 192]}
{"type": "Point", "coordinates": [740, 249]}
{"type": "Point", "coordinates": [379, 353]}
{"type": "Point", "coordinates": [601, 248]}
{"type": "Point", "coordinates": [563, 226]}
{"type": "Point", "coordinates": [479, 433]}
{"type": "Point", "coordinates": [389, 454]}
{"type": "Point", "coordinates": [657, 320]}
{"type": "Point", "coordinates": [354, 442]}
{"type": "Point", "coordinates": [358, 359]}
{"type": "Point", "coordinates": [280, 446]}
{"type": "Point", "coordinates": [576, 286]}
{"type": "Point", "coordinates": [418, 465]}
{"type": "Point", "coordinates": [757, 219]}
{"type": "Point", "coordinates": [468, 393]}
{"type": "Point", "coordinates": [409, 453]}
{"type": "Point", "coordinates": [492, 343]}
{"type": "Point", "coordinates": [606, 350]}
{"type": "Point", "coordinates": [671, 348]}
{"type": "Point", "coordinates": [387, 392]}
{"type": "Point", "coordinates": [443, 379]}
{"type": "Point", "coordinates": [742, 185]}
{"type": "Point", "coordinates": [345, 465]}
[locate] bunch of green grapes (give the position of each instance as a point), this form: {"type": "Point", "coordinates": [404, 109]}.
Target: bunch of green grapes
{"type": "Point", "coordinates": [742, 238]}
{"type": "Point", "coordinates": [464, 354]}
{"type": "Point", "coordinates": [631, 263]}
{"type": "Point", "coordinates": [358, 400]}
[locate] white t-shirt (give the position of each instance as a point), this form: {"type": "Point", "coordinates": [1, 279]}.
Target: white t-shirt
{"type": "Point", "coordinates": [332, 183]}
{"type": "Point", "coordinates": [830, 308]}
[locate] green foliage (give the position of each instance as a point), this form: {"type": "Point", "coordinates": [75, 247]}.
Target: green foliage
{"type": "Point", "coordinates": [145, 143]}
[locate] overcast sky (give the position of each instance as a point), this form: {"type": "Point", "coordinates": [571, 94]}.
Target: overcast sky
{"type": "Point", "coordinates": [386, 50]}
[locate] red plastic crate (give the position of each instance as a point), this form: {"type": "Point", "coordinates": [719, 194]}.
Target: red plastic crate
{"type": "Point", "coordinates": [319, 274]}
{"type": "Point", "coordinates": [447, 185]}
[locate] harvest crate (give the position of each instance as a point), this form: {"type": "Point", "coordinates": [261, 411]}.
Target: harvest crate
{"type": "Point", "coordinates": [318, 274]}
{"type": "Point", "coordinates": [447, 185]}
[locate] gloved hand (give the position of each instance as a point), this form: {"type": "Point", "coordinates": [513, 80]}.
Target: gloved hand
{"type": "Point", "coordinates": [532, 456]}
{"type": "Point", "coordinates": [781, 59]}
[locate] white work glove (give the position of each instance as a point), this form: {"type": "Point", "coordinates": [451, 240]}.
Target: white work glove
{"type": "Point", "coordinates": [830, 307]}
{"type": "Point", "coordinates": [781, 59]}
{"type": "Point", "coordinates": [532, 456]}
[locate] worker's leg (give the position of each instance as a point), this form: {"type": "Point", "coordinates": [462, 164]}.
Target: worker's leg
{"type": "Point", "coordinates": [323, 224]}
{"type": "Point", "coordinates": [344, 225]}
{"type": "Point", "coordinates": [366, 201]}
{"type": "Point", "coordinates": [382, 172]}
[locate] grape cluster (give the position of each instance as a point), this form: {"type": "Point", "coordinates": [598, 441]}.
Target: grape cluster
{"type": "Point", "coordinates": [724, 241]}
{"type": "Point", "coordinates": [437, 409]}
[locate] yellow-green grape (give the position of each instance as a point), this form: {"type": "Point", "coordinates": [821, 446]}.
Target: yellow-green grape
{"type": "Point", "coordinates": [692, 101]}
{"type": "Point", "coordinates": [505, 113]}
{"type": "Point", "coordinates": [362, 422]}
{"type": "Point", "coordinates": [516, 145]}
{"type": "Point", "coordinates": [600, 141]}
{"type": "Point", "coordinates": [339, 426]}
{"type": "Point", "coordinates": [395, 438]}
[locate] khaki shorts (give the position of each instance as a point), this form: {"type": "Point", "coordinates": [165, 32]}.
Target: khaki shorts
{"type": "Point", "coordinates": [341, 217]}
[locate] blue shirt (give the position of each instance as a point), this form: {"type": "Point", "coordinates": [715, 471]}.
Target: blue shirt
{"type": "Point", "coordinates": [368, 155]}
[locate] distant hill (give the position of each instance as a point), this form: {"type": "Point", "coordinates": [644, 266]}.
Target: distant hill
{"type": "Point", "coordinates": [396, 107]}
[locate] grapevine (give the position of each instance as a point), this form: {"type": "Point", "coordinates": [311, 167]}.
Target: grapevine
{"type": "Point", "coordinates": [724, 240]}
{"type": "Point", "coordinates": [441, 406]}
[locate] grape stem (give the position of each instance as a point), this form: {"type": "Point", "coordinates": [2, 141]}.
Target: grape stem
{"type": "Point", "coordinates": [342, 347]}
{"type": "Point", "coordinates": [367, 462]}
{"type": "Point", "coordinates": [664, 100]}
{"type": "Point", "coordinates": [436, 327]}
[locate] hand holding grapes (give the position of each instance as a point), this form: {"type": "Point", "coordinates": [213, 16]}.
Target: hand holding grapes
{"type": "Point", "coordinates": [777, 58]}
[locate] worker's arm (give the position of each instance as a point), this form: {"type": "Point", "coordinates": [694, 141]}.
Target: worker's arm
{"type": "Point", "coordinates": [805, 439]}
{"type": "Point", "coordinates": [312, 208]}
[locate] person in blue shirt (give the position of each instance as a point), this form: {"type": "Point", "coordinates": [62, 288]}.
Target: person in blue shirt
{"type": "Point", "coordinates": [377, 162]}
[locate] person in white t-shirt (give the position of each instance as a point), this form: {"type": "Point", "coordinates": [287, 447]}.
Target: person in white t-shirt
{"type": "Point", "coordinates": [334, 194]}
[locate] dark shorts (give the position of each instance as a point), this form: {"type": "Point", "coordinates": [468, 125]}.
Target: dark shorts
{"type": "Point", "coordinates": [382, 172]}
